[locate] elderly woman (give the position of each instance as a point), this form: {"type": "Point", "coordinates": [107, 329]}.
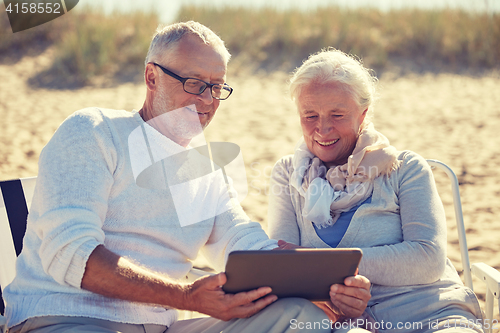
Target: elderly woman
{"type": "Point", "coordinates": [346, 186]}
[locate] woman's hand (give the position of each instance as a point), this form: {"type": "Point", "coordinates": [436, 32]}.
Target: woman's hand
{"type": "Point", "coordinates": [351, 298]}
{"type": "Point", "coordinates": [348, 300]}
{"type": "Point", "coordinates": [282, 245]}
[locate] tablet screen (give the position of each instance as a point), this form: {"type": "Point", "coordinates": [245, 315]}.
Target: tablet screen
{"type": "Point", "coordinates": [305, 273]}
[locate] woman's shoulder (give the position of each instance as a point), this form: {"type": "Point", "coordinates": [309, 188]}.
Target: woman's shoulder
{"type": "Point", "coordinates": [410, 166]}
{"type": "Point", "coordinates": [284, 163]}
{"type": "Point", "coordinates": [408, 159]}
{"type": "Point", "coordinates": [283, 168]}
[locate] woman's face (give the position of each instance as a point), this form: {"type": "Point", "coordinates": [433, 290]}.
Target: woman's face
{"type": "Point", "coordinates": [330, 120]}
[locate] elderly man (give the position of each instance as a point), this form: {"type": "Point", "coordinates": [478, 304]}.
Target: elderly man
{"type": "Point", "coordinates": [110, 237]}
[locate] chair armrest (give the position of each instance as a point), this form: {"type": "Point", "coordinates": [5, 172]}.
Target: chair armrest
{"type": "Point", "coordinates": [489, 275]}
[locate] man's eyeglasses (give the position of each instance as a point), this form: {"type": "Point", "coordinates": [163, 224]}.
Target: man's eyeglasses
{"type": "Point", "coordinates": [197, 86]}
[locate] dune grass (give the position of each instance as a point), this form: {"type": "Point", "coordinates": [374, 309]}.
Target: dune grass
{"type": "Point", "coordinates": [281, 38]}
{"type": "Point", "coordinates": [101, 44]}
{"type": "Point", "coordinates": [88, 43]}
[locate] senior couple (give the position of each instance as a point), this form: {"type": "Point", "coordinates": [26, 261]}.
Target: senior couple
{"type": "Point", "coordinates": [112, 231]}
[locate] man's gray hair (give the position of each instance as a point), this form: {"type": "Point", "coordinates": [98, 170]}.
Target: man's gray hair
{"type": "Point", "coordinates": [166, 38]}
{"type": "Point", "coordinates": [330, 65]}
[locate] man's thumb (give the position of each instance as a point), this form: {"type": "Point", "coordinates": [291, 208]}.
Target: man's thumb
{"type": "Point", "coordinates": [217, 280]}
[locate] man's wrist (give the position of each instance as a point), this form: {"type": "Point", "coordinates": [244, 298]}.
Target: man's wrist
{"type": "Point", "coordinates": [184, 292]}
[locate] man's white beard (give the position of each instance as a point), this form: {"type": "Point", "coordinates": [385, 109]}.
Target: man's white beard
{"type": "Point", "coordinates": [183, 123]}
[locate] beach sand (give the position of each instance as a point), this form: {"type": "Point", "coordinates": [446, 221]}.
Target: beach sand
{"type": "Point", "coordinates": [447, 117]}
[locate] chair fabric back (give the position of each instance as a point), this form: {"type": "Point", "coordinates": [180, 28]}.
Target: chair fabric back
{"type": "Point", "coordinates": [15, 198]}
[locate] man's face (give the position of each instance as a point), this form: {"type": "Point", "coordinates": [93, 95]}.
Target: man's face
{"type": "Point", "coordinates": [191, 58]}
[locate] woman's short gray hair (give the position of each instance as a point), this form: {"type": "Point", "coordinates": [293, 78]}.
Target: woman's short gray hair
{"type": "Point", "coordinates": [166, 37]}
{"type": "Point", "coordinates": [332, 65]}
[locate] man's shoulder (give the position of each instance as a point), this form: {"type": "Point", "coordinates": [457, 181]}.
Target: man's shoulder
{"type": "Point", "coordinates": [94, 117]}
{"type": "Point", "coordinates": [97, 113]}
{"type": "Point", "coordinates": [97, 120]}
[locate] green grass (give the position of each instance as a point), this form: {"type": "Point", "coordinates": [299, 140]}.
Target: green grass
{"type": "Point", "coordinates": [14, 46]}
{"type": "Point", "coordinates": [88, 44]}
{"type": "Point", "coordinates": [99, 45]}
{"type": "Point", "coordinates": [284, 38]}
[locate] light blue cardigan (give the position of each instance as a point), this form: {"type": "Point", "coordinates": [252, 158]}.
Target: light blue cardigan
{"type": "Point", "coordinates": [402, 233]}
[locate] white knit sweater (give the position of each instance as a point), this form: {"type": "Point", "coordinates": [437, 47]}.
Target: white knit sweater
{"type": "Point", "coordinates": [86, 195]}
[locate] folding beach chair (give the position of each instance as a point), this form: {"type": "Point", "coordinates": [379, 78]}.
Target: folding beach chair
{"type": "Point", "coordinates": [485, 273]}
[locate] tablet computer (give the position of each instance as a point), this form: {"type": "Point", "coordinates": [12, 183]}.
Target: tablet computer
{"type": "Point", "coordinates": [306, 273]}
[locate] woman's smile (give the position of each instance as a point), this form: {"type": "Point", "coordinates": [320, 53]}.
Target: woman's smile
{"type": "Point", "coordinates": [330, 120]}
{"type": "Point", "coordinates": [327, 143]}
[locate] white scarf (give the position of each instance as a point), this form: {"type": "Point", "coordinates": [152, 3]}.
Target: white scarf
{"type": "Point", "coordinates": [330, 192]}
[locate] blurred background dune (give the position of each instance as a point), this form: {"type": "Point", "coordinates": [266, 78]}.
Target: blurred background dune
{"type": "Point", "coordinates": [439, 87]}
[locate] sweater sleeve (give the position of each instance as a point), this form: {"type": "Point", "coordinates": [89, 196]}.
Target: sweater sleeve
{"type": "Point", "coordinates": [70, 202]}
{"type": "Point", "coordinates": [282, 221]}
{"type": "Point", "coordinates": [233, 231]}
{"type": "Point", "coordinates": [420, 257]}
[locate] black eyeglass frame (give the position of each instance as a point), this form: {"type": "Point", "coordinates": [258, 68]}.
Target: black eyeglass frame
{"type": "Point", "coordinates": [207, 85]}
